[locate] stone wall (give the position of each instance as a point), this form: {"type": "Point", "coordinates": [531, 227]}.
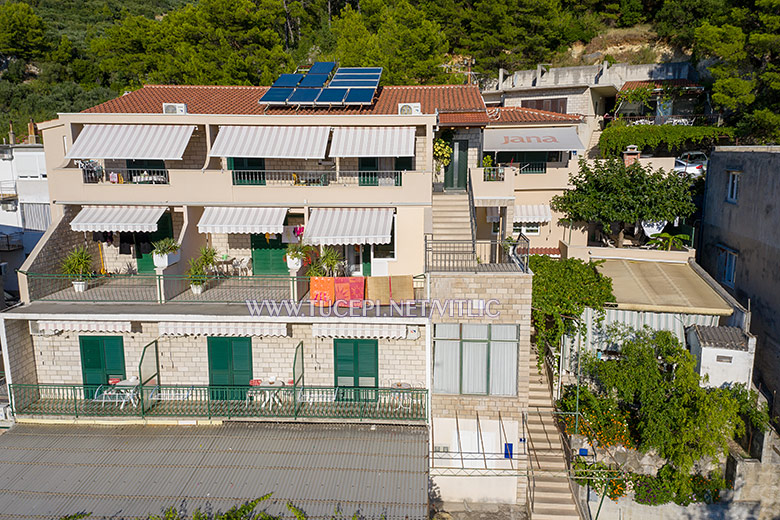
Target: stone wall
{"type": "Point", "coordinates": [21, 356]}
{"type": "Point", "coordinates": [114, 262]}
{"type": "Point", "coordinates": [195, 154]}
{"type": "Point", "coordinates": [578, 99]}
{"type": "Point", "coordinates": [184, 359]}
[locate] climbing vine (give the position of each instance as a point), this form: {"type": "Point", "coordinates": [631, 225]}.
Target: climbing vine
{"type": "Point", "coordinates": [617, 137]}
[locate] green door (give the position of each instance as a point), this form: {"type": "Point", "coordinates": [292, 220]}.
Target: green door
{"type": "Point", "coordinates": [356, 368]}
{"type": "Point", "coordinates": [164, 230]}
{"type": "Point", "coordinates": [367, 168]}
{"type": "Point", "coordinates": [230, 365]}
{"type": "Point", "coordinates": [366, 259]}
{"type": "Point", "coordinates": [247, 170]}
{"type": "Point", "coordinates": [455, 174]}
{"type": "Point", "coordinates": [268, 255]}
{"type": "Point", "coordinates": [102, 357]}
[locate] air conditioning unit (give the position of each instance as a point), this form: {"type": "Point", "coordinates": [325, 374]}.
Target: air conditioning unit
{"type": "Point", "coordinates": [174, 108]}
{"type": "Point", "coordinates": [6, 154]}
{"type": "Point", "coordinates": [9, 205]}
{"type": "Point", "coordinates": [409, 109]}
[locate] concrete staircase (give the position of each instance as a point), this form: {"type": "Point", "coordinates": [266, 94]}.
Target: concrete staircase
{"type": "Point", "coordinates": [552, 496]}
{"type": "Point", "coordinates": [593, 151]}
{"type": "Point", "coordinates": [451, 216]}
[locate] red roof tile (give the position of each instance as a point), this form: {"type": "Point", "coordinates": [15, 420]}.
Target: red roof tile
{"type": "Point", "coordinates": [463, 118]}
{"type": "Point", "coordinates": [550, 251]}
{"type": "Point", "coordinates": [506, 115]}
{"type": "Point", "coordinates": [244, 100]}
{"type": "Point", "coordinates": [660, 83]}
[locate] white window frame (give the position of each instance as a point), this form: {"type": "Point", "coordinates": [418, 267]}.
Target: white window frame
{"type": "Point", "coordinates": [727, 266]}
{"type": "Point", "coordinates": [732, 188]}
{"type": "Point", "coordinates": [529, 229]}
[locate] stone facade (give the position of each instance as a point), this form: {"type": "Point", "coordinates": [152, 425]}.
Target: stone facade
{"type": "Point", "coordinates": [19, 348]}
{"type": "Point", "coordinates": [114, 262]}
{"type": "Point", "coordinates": [578, 99]}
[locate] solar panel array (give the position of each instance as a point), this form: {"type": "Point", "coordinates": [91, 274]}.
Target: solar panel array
{"type": "Point", "coordinates": [348, 86]}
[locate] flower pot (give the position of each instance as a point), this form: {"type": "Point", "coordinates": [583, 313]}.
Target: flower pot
{"type": "Point", "coordinates": [79, 285]}
{"type": "Point", "coordinates": [166, 260]}
{"type": "Point", "coordinates": [294, 264]}
{"type": "Point", "coordinates": [196, 289]}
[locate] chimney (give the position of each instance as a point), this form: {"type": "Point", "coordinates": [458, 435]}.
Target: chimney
{"type": "Point", "coordinates": [500, 78]}
{"type": "Point", "coordinates": [11, 134]}
{"type": "Point", "coordinates": [32, 132]}
{"type": "Point", "coordinates": [631, 155]}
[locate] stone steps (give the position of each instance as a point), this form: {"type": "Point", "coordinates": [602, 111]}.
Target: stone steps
{"type": "Point", "coordinates": [451, 217]}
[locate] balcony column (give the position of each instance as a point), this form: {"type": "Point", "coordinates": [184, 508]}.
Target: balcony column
{"type": "Point", "coordinates": [338, 169]}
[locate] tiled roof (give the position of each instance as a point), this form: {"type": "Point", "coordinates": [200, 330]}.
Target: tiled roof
{"type": "Point", "coordinates": [549, 251]}
{"type": "Point", "coordinates": [506, 115]}
{"type": "Point", "coordinates": [479, 118]}
{"type": "Point", "coordinates": [660, 83]}
{"type": "Point", "coordinates": [722, 337]}
{"type": "Point", "coordinates": [462, 100]}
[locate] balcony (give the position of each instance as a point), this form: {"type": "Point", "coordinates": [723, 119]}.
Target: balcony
{"type": "Point", "coordinates": [476, 256]}
{"type": "Point", "coordinates": [11, 241]}
{"type": "Point", "coordinates": [124, 176]}
{"type": "Point", "coordinates": [316, 178]}
{"type": "Point", "coordinates": [675, 120]}
{"type": "Point", "coordinates": [220, 402]}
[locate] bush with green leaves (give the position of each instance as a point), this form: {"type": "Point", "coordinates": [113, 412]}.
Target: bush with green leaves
{"type": "Point", "coordinates": [601, 419]}
{"type": "Point", "coordinates": [672, 138]}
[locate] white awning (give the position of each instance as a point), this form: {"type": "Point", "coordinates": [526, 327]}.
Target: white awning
{"type": "Point", "coordinates": [358, 330]}
{"type": "Point", "coordinates": [532, 213]}
{"type": "Point", "coordinates": [489, 202]}
{"type": "Point", "coordinates": [162, 142]}
{"type": "Point", "coordinates": [242, 220]}
{"type": "Point", "coordinates": [189, 328]}
{"type": "Point", "coordinates": [117, 218]}
{"type": "Point", "coordinates": [493, 214]}
{"type": "Point", "coordinates": [532, 139]}
{"type": "Point", "coordinates": [373, 141]}
{"type": "Point", "coordinates": [83, 326]}
{"type": "Point", "coordinates": [349, 226]}
{"type": "Point", "coordinates": [271, 142]}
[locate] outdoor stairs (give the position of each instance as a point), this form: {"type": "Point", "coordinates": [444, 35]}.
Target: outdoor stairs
{"type": "Point", "coordinates": [451, 216]}
{"type": "Point", "coordinates": [553, 499]}
{"type": "Point", "coordinates": [593, 146]}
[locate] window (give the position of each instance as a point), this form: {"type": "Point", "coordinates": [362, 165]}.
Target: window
{"type": "Point", "coordinates": [733, 188]}
{"type": "Point", "coordinates": [727, 266]}
{"type": "Point", "coordinates": [723, 359]}
{"type": "Point", "coordinates": [550, 105]}
{"type": "Point", "coordinates": [475, 359]}
{"type": "Point", "coordinates": [527, 228]}
{"type": "Point", "coordinates": [246, 163]}
{"type": "Point", "coordinates": [403, 164]}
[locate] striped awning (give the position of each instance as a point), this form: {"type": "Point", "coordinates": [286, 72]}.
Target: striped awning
{"type": "Point", "coordinates": [194, 328]}
{"type": "Point", "coordinates": [117, 218]}
{"type": "Point", "coordinates": [488, 202]}
{"type": "Point", "coordinates": [373, 141]}
{"type": "Point", "coordinates": [359, 330]}
{"type": "Point", "coordinates": [532, 213]}
{"type": "Point", "coordinates": [162, 142]}
{"type": "Point", "coordinates": [242, 220]}
{"type": "Point", "coordinates": [83, 326]}
{"type": "Point", "coordinates": [349, 226]}
{"type": "Point", "coordinates": [272, 142]}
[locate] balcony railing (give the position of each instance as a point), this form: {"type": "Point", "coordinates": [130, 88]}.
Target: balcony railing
{"type": "Point", "coordinates": [316, 178]}
{"type": "Point", "coordinates": [124, 176]}
{"type": "Point", "coordinates": [531, 167]}
{"type": "Point", "coordinates": [675, 119]}
{"type": "Point", "coordinates": [11, 241]}
{"type": "Point", "coordinates": [209, 401]}
{"type": "Point", "coordinates": [476, 256]}
{"type": "Point", "coordinates": [493, 174]}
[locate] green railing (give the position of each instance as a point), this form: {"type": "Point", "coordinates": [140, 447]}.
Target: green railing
{"type": "Point", "coordinates": [531, 167]}
{"type": "Point", "coordinates": [112, 288]}
{"type": "Point", "coordinates": [220, 401]}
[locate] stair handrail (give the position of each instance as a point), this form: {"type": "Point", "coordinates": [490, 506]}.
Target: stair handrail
{"type": "Point", "coordinates": [472, 213]}
{"type": "Point", "coordinates": [530, 490]}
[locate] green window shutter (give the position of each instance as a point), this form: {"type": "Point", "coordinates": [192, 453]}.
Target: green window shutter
{"type": "Point", "coordinates": [367, 363]}
{"type": "Point", "coordinates": [231, 163]}
{"type": "Point", "coordinates": [366, 259]}
{"type": "Point", "coordinates": [241, 360]}
{"type": "Point", "coordinates": [219, 361]}
{"type": "Point", "coordinates": [344, 353]}
{"type": "Point", "coordinates": [92, 367]}
{"type": "Point", "coordinates": [114, 356]}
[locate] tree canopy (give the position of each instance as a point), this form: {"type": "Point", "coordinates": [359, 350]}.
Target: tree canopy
{"type": "Point", "coordinates": [608, 192]}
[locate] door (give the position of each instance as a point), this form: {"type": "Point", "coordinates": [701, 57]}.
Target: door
{"type": "Point", "coordinates": [268, 255]}
{"type": "Point", "coordinates": [356, 369]}
{"type": "Point", "coordinates": [247, 170]}
{"type": "Point", "coordinates": [102, 357]}
{"type": "Point", "coordinates": [367, 168]}
{"type": "Point", "coordinates": [230, 365]}
{"type": "Point", "coordinates": [366, 254]}
{"type": "Point", "coordinates": [145, 261]}
{"type": "Point", "coordinates": [455, 174]}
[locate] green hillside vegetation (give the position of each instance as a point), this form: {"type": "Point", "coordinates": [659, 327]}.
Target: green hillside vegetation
{"type": "Point", "coordinates": [66, 55]}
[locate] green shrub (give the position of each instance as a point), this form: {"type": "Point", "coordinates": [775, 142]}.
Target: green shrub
{"type": "Point", "coordinates": [616, 137]}
{"type": "Point", "coordinates": [652, 491]}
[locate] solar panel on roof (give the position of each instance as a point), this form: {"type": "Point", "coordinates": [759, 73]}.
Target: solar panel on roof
{"type": "Point", "coordinates": [358, 76]}
{"type": "Point", "coordinates": [304, 96]}
{"type": "Point", "coordinates": [322, 67]}
{"type": "Point", "coordinates": [354, 83]}
{"type": "Point", "coordinates": [332, 96]}
{"type": "Point", "coordinates": [360, 70]}
{"type": "Point", "coordinates": [313, 80]}
{"type": "Point", "coordinates": [276, 96]}
{"type": "Point", "coordinates": [359, 96]}
{"type": "Point", "coordinates": [287, 80]}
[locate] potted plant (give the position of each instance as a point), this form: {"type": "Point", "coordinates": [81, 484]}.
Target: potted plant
{"type": "Point", "coordinates": [331, 261]}
{"type": "Point", "coordinates": [165, 252]}
{"type": "Point", "coordinates": [296, 254]}
{"type": "Point", "coordinates": [78, 266]}
{"type": "Point", "coordinates": [196, 274]}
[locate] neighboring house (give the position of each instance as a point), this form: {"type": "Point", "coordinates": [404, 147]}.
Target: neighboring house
{"type": "Point", "coordinates": [220, 167]}
{"type": "Point", "coordinates": [24, 207]}
{"type": "Point", "coordinates": [739, 244]}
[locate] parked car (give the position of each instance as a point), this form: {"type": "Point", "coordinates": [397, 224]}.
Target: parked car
{"type": "Point", "coordinates": [694, 163]}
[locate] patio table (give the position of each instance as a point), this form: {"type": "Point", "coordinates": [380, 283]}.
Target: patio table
{"type": "Point", "coordinates": [268, 394]}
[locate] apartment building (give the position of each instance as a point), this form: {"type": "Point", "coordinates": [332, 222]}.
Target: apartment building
{"type": "Point", "coordinates": [738, 245]}
{"type": "Point", "coordinates": [431, 331]}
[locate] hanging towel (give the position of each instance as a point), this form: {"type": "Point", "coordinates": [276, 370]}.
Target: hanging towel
{"type": "Point", "coordinates": [323, 290]}
{"type": "Point", "coordinates": [289, 236]}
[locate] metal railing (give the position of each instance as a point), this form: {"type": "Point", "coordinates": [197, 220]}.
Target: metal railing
{"type": "Point", "coordinates": [124, 176]}
{"type": "Point", "coordinates": [475, 255]}
{"type": "Point", "coordinates": [531, 167]}
{"type": "Point", "coordinates": [674, 119]}
{"type": "Point", "coordinates": [210, 401]}
{"type": "Point", "coordinates": [118, 288]}
{"type": "Point", "coordinates": [316, 178]}
{"type": "Point", "coordinates": [11, 241]}
{"type": "Point", "coordinates": [493, 174]}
